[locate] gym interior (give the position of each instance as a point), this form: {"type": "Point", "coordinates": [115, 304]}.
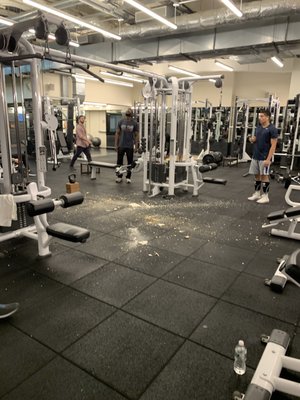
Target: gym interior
{"type": "Point", "coordinates": [137, 281]}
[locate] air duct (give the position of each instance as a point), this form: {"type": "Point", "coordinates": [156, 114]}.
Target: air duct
{"type": "Point", "coordinates": [252, 11]}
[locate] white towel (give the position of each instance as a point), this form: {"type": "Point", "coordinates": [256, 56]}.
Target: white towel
{"type": "Point", "coordinates": [8, 209]}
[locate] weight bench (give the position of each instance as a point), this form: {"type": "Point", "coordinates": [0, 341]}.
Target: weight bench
{"type": "Point", "coordinates": [86, 169]}
{"type": "Point", "coordinates": [215, 180]}
{"type": "Point", "coordinates": [291, 214]}
{"type": "Point", "coordinates": [71, 233]}
{"type": "Point", "coordinates": [93, 167]}
{"type": "Point", "coordinates": [287, 271]}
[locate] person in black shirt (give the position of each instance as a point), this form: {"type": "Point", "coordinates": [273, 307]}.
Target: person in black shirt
{"type": "Point", "coordinates": [126, 142]}
{"type": "Point", "coordinates": [265, 141]}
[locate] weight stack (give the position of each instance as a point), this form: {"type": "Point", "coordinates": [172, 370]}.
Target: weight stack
{"type": "Point", "coordinates": [23, 220]}
{"type": "Point", "coordinates": [180, 174]}
{"type": "Point", "coordinates": [158, 173]}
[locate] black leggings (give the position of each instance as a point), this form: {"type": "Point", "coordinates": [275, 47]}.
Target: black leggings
{"type": "Point", "coordinates": [129, 155]}
{"type": "Point", "coordinates": [79, 150]}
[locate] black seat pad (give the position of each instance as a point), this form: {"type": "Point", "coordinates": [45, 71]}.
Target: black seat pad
{"type": "Point", "coordinates": [72, 233]}
{"type": "Point", "coordinates": [276, 215]}
{"type": "Point", "coordinates": [293, 212]}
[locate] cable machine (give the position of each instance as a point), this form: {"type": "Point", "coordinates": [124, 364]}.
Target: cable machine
{"type": "Point", "coordinates": [170, 172]}
{"type": "Point", "coordinates": [17, 195]}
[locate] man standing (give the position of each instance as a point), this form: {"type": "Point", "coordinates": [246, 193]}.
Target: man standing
{"type": "Point", "coordinates": [82, 142]}
{"type": "Point", "coordinates": [126, 142]}
{"type": "Point", "coordinates": [265, 141]}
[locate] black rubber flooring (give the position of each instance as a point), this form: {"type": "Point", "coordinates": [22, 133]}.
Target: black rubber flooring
{"type": "Point", "coordinates": [152, 305]}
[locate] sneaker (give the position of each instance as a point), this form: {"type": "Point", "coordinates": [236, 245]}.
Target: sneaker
{"type": "Point", "coordinates": [264, 199]}
{"type": "Point", "coordinates": [8, 309]}
{"type": "Point", "coordinates": [128, 180]}
{"type": "Point", "coordinates": [255, 196]}
{"type": "Point", "coordinates": [118, 180]}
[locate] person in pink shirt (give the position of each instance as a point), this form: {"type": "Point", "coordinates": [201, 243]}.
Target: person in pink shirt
{"type": "Point", "coordinates": [83, 144]}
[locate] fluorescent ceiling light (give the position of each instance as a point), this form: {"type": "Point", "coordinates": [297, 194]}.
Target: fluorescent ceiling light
{"type": "Point", "coordinates": [70, 18]}
{"type": "Point", "coordinates": [84, 77]}
{"type": "Point", "coordinates": [94, 104]}
{"type": "Point", "coordinates": [277, 61]}
{"type": "Point", "coordinates": [183, 71]}
{"type": "Point", "coordinates": [233, 8]}
{"type": "Point", "coordinates": [150, 13]}
{"type": "Point", "coordinates": [124, 76]}
{"type": "Point", "coordinates": [6, 22]}
{"type": "Point", "coordinates": [111, 81]}
{"type": "Point", "coordinates": [224, 66]}
{"type": "Point", "coordinates": [74, 44]}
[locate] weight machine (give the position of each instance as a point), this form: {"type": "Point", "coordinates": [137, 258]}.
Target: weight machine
{"type": "Point", "coordinates": [171, 173]}
{"type": "Point", "coordinates": [201, 126]}
{"type": "Point", "coordinates": [15, 189]}
{"type": "Point", "coordinates": [290, 137]}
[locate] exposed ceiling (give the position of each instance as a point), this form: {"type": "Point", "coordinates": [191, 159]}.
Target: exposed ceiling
{"type": "Point", "coordinates": [206, 30]}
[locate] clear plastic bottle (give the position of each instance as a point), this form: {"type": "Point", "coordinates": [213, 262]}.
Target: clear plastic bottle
{"type": "Point", "coordinates": [240, 357]}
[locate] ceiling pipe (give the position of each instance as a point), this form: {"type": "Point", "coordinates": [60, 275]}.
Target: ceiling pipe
{"type": "Point", "coordinates": [87, 61]}
{"type": "Point", "coordinates": [252, 11]}
{"type": "Point", "coordinates": [109, 9]}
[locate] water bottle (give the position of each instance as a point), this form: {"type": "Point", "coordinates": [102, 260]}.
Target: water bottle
{"type": "Point", "coordinates": [240, 356]}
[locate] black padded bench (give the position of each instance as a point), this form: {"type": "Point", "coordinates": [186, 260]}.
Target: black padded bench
{"type": "Point", "coordinates": [292, 215]}
{"type": "Point", "coordinates": [273, 216]}
{"type": "Point", "coordinates": [292, 212]}
{"type": "Point", "coordinates": [288, 213]}
{"type": "Point", "coordinates": [71, 233]}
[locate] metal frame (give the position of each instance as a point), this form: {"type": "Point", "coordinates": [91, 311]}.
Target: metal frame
{"type": "Point", "coordinates": [290, 233]}
{"type": "Point", "coordinates": [180, 91]}
{"type": "Point", "coordinates": [266, 378]}
{"type": "Point", "coordinates": [274, 106]}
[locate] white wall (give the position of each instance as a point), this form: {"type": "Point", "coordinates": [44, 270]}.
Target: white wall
{"type": "Point", "coordinates": [96, 125]}
{"type": "Point", "coordinates": [108, 94]}
{"type": "Point", "coordinates": [260, 84]}
{"type": "Point", "coordinates": [50, 85]}
{"type": "Point", "coordinates": [203, 90]}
